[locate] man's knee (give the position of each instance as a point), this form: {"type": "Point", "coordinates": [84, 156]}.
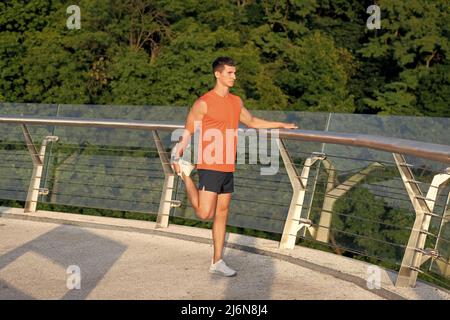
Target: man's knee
{"type": "Point", "coordinates": [208, 218]}
{"type": "Point", "coordinates": [205, 214]}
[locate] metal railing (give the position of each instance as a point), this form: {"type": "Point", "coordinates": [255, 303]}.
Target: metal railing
{"type": "Point", "coordinates": [314, 204]}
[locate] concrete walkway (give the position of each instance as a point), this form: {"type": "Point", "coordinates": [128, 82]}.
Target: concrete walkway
{"type": "Point", "coordinates": [128, 259]}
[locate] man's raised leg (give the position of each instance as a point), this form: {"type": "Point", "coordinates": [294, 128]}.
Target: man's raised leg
{"type": "Point", "coordinates": [203, 202]}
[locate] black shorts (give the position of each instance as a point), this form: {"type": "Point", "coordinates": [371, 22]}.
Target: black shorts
{"type": "Point", "coordinates": [215, 181]}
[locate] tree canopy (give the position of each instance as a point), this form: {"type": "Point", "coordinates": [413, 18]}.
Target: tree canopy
{"type": "Point", "coordinates": [308, 55]}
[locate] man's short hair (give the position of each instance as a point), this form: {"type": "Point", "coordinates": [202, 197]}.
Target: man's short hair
{"type": "Point", "coordinates": [220, 62]}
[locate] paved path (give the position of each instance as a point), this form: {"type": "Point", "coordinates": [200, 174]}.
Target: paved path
{"type": "Point", "coordinates": [118, 261]}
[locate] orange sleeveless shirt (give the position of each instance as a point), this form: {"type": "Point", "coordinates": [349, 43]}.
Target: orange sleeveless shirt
{"type": "Point", "coordinates": [217, 143]}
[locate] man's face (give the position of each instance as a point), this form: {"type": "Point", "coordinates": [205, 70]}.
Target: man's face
{"type": "Point", "coordinates": [227, 76]}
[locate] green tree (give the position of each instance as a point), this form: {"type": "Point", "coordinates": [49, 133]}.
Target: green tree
{"type": "Point", "coordinates": [313, 74]}
{"type": "Point", "coordinates": [414, 37]}
{"type": "Point", "coordinates": [358, 224]}
{"type": "Point", "coordinates": [314, 55]}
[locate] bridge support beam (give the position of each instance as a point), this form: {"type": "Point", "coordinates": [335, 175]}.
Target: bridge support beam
{"type": "Point", "coordinates": [443, 264]}
{"type": "Point", "coordinates": [166, 202]}
{"type": "Point", "coordinates": [415, 253]}
{"type": "Point", "coordinates": [294, 222]}
{"type": "Point", "coordinates": [34, 189]}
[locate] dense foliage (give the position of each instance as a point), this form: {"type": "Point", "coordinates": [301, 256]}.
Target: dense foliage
{"type": "Point", "coordinates": [309, 55]}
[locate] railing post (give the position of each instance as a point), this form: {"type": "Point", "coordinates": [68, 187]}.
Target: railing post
{"type": "Point", "coordinates": [166, 202]}
{"type": "Point", "coordinates": [423, 207]}
{"type": "Point", "coordinates": [442, 264]}
{"type": "Point", "coordinates": [294, 222]}
{"type": "Point", "coordinates": [34, 189]}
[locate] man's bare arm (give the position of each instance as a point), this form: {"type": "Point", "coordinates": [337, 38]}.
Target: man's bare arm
{"type": "Point", "coordinates": [196, 113]}
{"type": "Point", "coordinates": [257, 123]}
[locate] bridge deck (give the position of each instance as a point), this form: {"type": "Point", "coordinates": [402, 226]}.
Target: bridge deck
{"type": "Point", "coordinates": [128, 259]}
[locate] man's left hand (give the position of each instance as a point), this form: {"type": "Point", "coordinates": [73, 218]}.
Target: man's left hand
{"type": "Point", "coordinates": [289, 126]}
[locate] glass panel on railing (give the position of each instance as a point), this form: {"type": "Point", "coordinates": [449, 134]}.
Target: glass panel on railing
{"type": "Point", "coordinates": [425, 129]}
{"type": "Point", "coordinates": [15, 159]}
{"type": "Point", "coordinates": [13, 132]}
{"type": "Point", "coordinates": [360, 211]}
{"type": "Point", "coordinates": [381, 194]}
{"type": "Point", "coordinates": [371, 213]}
{"type": "Point", "coordinates": [127, 137]}
{"type": "Point", "coordinates": [98, 178]}
{"type": "Point", "coordinates": [107, 167]}
{"type": "Point", "coordinates": [15, 173]}
{"type": "Point", "coordinates": [28, 109]}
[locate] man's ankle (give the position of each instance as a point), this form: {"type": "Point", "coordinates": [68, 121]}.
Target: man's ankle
{"type": "Point", "coordinates": [184, 177]}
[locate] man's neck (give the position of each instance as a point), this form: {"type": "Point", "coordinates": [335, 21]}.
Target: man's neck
{"type": "Point", "coordinates": [221, 90]}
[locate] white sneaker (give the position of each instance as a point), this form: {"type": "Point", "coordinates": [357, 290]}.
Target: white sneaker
{"type": "Point", "coordinates": [221, 268]}
{"type": "Point", "coordinates": [186, 166]}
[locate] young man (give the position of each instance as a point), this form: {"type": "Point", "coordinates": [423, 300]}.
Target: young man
{"type": "Point", "coordinates": [216, 112]}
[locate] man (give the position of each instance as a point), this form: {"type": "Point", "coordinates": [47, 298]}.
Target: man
{"type": "Point", "coordinates": [217, 111]}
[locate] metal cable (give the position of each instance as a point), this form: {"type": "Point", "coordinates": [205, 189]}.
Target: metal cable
{"type": "Point", "coordinates": [58, 168]}
{"type": "Point", "coordinates": [445, 284]}
{"type": "Point", "coordinates": [351, 198]}
{"type": "Point", "coordinates": [27, 152]}
{"type": "Point", "coordinates": [364, 219]}
{"type": "Point", "coordinates": [112, 174]}
{"type": "Point", "coordinates": [291, 152]}
{"type": "Point", "coordinates": [279, 204]}
{"type": "Point", "coordinates": [338, 188]}
{"type": "Point", "coordinates": [14, 190]}
{"type": "Point", "coordinates": [103, 208]}
{"type": "Point", "coordinates": [346, 157]}
{"type": "Point", "coordinates": [81, 196]}
{"type": "Point", "coordinates": [15, 178]}
{"type": "Point", "coordinates": [103, 198]}
{"type": "Point", "coordinates": [234, 212]}
{"type": "Point", "coordinates": [90, 147]}
{"type": "Point", "coordinates": [253, 179]}
{"type": "Point", "coordinates": [393, 164]}
{"type": "Point", "coordinates": [262, 202]}
{"type": "Point", "coordinates": [375, 194]}
{"type": "Point", "coordinates": [95, 166]}
{"type": "Point", "coordinates": [75, 162]}
{"type": "Point", "coordinates": [412, 216]}
{"type": "Point", "coordinates": [366, 183]}
{"type": "Point", "coordinates": [437, 237]}
{"type": "Point", "coordinates": [357, 235]}
{"type": "Point", "coordinates": [297, 166]}
{"type": "Point", "coordinates": [255, 186]}
{"type": "Point", "coordinates": [106, 186]}
{"type": "Point", "coordinates": [359, 186]}
{"type": "Point", "coordinates": [361, 253]}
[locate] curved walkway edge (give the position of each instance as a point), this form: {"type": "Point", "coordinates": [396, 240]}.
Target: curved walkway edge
{"type": "Point", "coordinates": [339, 267]}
